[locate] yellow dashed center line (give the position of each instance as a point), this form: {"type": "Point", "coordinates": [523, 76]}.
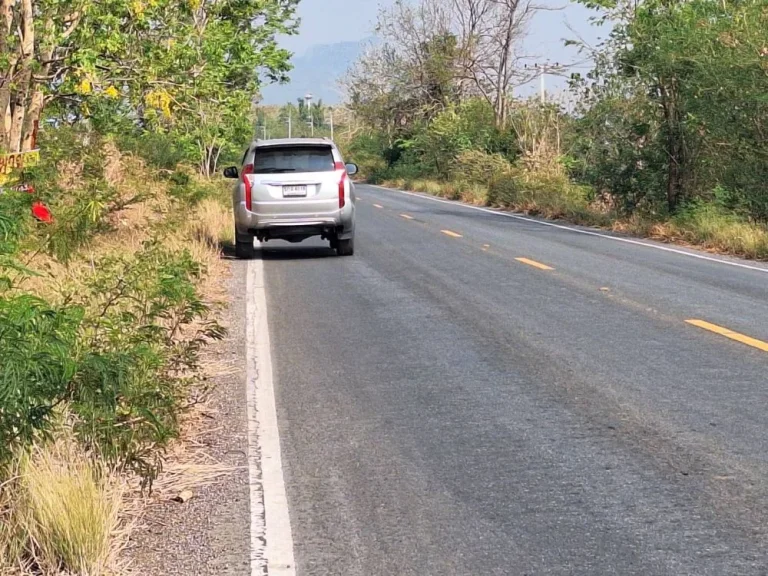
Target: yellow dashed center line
{"type": "Point", "coordinates": [451, 234]}
{"type": "Point", "coordinates": [535, 264]}
{"type": "Point", "coordinates": [406, 216]}
{"type": "Point", "coordinates": [749, 341]}
{"type": "Point", "coordinates": [378, 206]}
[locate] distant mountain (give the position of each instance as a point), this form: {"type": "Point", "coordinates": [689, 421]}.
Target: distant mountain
{"type": "Point", "coordinates": [317, 71]}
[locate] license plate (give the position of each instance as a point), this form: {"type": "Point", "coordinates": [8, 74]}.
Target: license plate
{"type": "Point", "coordinates": [294, 191]}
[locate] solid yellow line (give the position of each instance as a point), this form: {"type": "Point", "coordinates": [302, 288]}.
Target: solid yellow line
{"type": "Point", "coordinates": [754, 342]}
{"type": "Point", "coordinates": [378, 206]}
{"type": "Point", "coordinates": [535, 264]}
{"type": "Point", "coordinates": [451, 234]}
{"type": "Point", "coordinates": [406, 216]}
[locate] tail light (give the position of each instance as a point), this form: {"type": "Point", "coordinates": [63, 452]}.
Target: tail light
{"type": "Point", "coordinates": [247, 169]}
{"type": "Point", "coordinates": [342, 183]}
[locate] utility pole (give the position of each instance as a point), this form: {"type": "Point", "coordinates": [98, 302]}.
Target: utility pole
{"type": "Point", "coordinates": [289, 122]}
{"type": "Point", "coordinates": [308, 103]}
{"type": "Point", "coordinates": [331, 111]}
{"type": "Point", "coordinates": [264, 130]}
{"type": "Point", "coordinates": [543, 70]}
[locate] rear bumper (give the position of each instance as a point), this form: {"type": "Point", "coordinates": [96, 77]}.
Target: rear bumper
{"type": "Point", "coordinates": [270, 222]}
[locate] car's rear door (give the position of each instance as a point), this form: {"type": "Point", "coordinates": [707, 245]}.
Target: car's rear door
{"type": "Point", "coordinates": [295, 180]}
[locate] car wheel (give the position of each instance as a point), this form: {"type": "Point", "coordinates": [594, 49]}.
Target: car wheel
{"type": "Point", "coordinates": [345, 247]}
{"type": "Point", "coordinates": [244, 249]}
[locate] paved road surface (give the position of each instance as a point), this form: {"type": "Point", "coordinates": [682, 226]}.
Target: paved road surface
{"type": "Point", "coordinates": [447, 409]}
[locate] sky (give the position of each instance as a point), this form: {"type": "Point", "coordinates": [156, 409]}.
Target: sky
{"type": "Point", "coordinates": [331, 21]}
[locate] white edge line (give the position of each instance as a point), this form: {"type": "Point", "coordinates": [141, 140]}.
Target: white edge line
{"type": "Point", "coordinates": [578, 230]}
{"type": "Point", "coordinates": [271, 538]}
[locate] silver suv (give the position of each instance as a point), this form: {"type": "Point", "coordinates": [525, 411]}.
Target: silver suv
{"type": "Point", "coordinates": [294, 189]}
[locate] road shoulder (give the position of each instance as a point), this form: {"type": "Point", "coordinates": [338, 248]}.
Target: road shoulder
{"type": "Point", "coordinates": [210, 533]}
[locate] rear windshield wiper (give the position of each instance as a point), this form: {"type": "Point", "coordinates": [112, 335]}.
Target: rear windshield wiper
{"type": "Point", "coordinates": [274, 170]}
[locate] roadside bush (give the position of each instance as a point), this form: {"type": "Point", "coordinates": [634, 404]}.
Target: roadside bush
{"type": "Point", "coordinates": [144, 328]}
{"type": "Point", "coordinates": [552, 195]}
{"type": "Point", "coordinates": [716, 227]}
{"type": "Point", "coordinates": [78, 178]}
{"type": "Point", "coordinates": [14, 223]}
{"type": "Point", "coordinates": [122, 353]}
{"type": "Point", "coordinates": [367, 151]}
{"type": "Point", "coordinates": [159, 150]}
{"type": "Point", "coordinates": [477, 167]}
{"type": "Point", "coordinates": [191, 193]}
{"type": "Point", "coordinates": [38, 350]}
{"type": "Point", "coordinates": [401, 171]}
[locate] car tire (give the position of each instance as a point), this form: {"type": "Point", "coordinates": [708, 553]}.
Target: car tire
{"type": "Point", "coordinates": [345, 247]}
{"type": "Point", "coordinates": [244, 249]}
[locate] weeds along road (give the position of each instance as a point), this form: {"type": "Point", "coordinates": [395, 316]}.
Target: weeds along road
{"type": "Point", "coordinates": [479, 394]}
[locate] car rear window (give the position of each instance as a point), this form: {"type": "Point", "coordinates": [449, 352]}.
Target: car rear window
{"type": "Point", "coordinates": [276, 159]}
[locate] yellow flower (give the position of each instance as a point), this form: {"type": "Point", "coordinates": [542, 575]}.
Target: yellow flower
{"type": "Point", "coordinates": [159, 100]}
{"type": "Point", "coordinates": [85, 86]}
{"type": "Point", "coordinates": [137, 7]}
{"type": "Point", "coordinates": [112, 92]}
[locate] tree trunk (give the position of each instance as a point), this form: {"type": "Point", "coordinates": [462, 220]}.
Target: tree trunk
{"type": "Point", "coordinates": [675, 146]}
{"type": "Point", "coordinates": [5, 117]}
{"type": "Point", "coordinates": [20, 93]}
{"type": "Point", "coordinates": [5, 24]}
{"type": "Point", "coordinates": [18, 109]}
{"type": "Point", "coordinates": [32, 119]}
{"type": "Point", "coordinates": [6, 74]}
{"type": "Point", "coordinates": [216, 159]}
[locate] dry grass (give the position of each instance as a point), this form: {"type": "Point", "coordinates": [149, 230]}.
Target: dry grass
{"type": "Point", "coordinates": [204, 233]}
{"type": "Point", "coordinates": [208, 230]}
{"type": "Point", "coordinates": [189, 466]}
{"type": "Point", "coordinates": [211, 223]}
{"type": "Point", "coordinates": [476, 194]}
{"type": "Point", "coordinates": [12, 543]}
{"type": "Point", "coordinates": [70, 510]}
{"type": "Point", "coordinates": [717, 231]}
{"type": "Point", "coordinates": [551, 195]}
{"type": "Point", "coordinates": [61, 514]}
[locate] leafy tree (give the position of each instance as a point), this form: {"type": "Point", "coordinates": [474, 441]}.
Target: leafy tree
{"type": "Point", "coordinates": [696, 75]}
{"type": "Point", "coordinates": [181, 67]}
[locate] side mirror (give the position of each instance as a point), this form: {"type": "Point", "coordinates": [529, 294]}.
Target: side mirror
{"type": "Point", "coordinates": [230, 172]}
{"type": "Point", "coordinates": [351, 169]}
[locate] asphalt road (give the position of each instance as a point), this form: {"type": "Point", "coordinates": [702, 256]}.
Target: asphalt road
{"type": "Point", "coordinates": [447, 409]}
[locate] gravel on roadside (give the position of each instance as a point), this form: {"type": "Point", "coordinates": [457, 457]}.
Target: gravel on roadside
{"type": "Point", "coordinates": [210, 533]}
